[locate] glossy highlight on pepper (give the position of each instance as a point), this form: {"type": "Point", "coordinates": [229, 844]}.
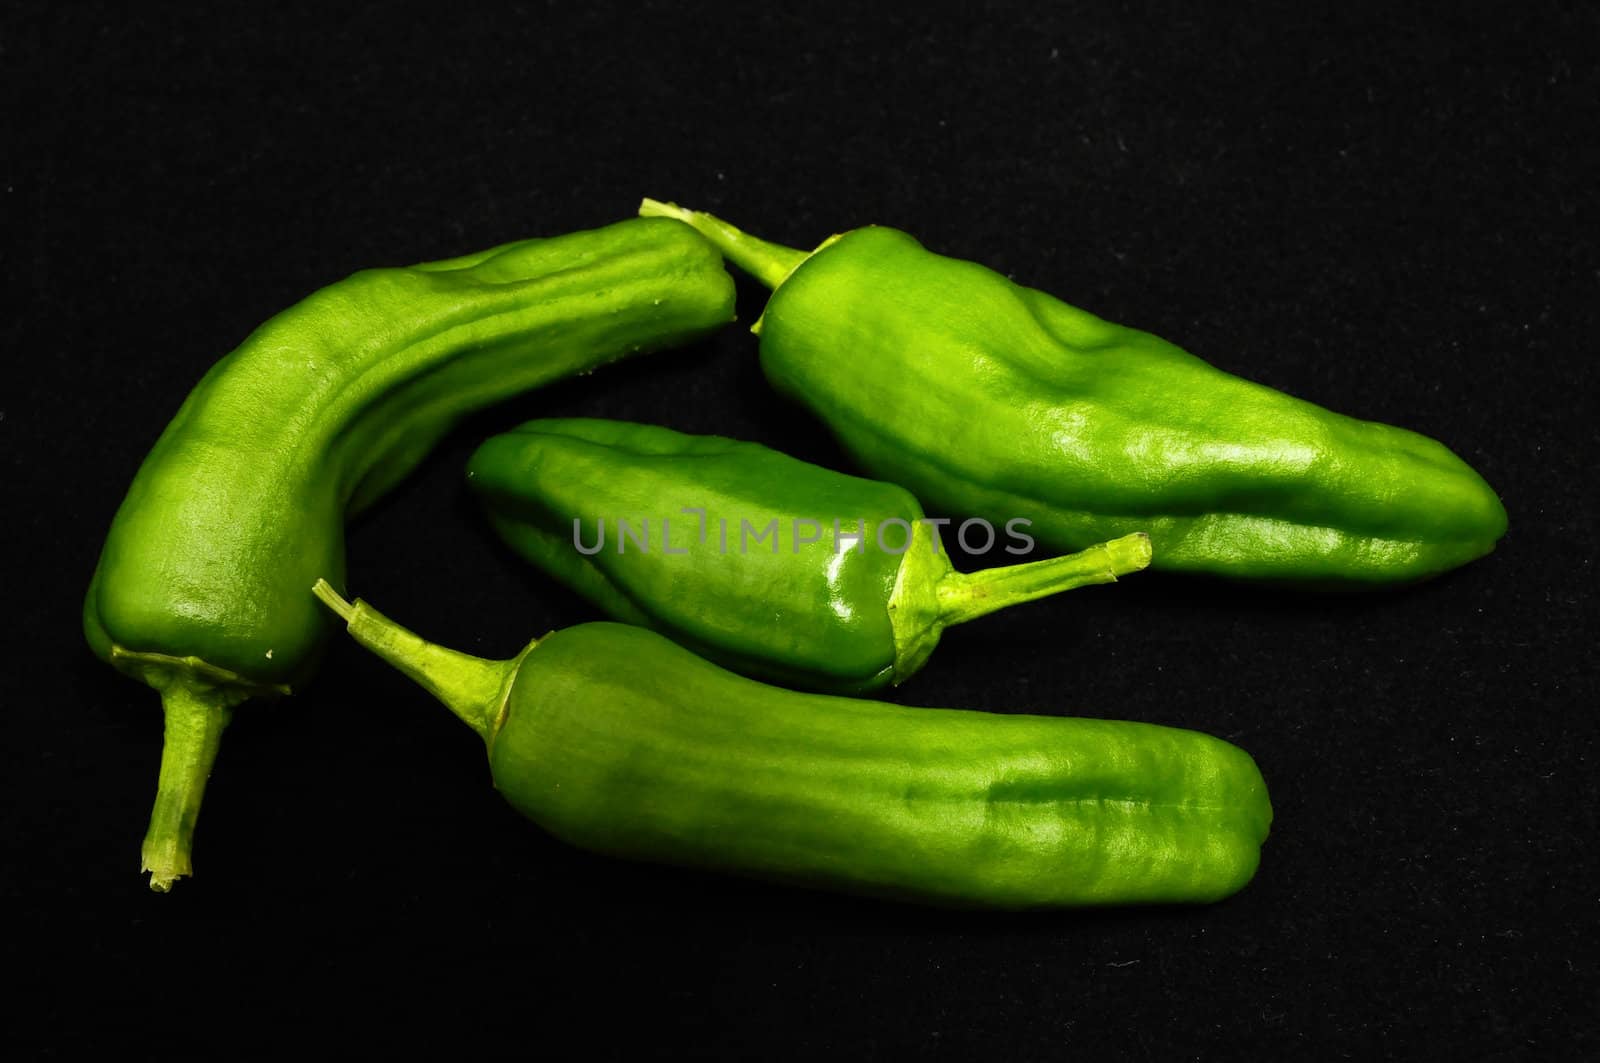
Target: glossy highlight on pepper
{"type": "Point", "coordinates": [768, 565]}
{"type": "Point", "coordinates": [200, 591]}
{"type": "Point", "coordinates": [618, 741]}
{"type": "Point", "coordinates": [986, 398]}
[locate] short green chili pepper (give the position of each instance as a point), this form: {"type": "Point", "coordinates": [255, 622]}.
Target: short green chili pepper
{"type": "Point", "coordinates": [985, 398]}
{"type": "Point", "coordinates": [619, 741]}
{"type": "Point", "coordinates": [769, 565]}
{"type": "Point", "coordinates": [201, 587]}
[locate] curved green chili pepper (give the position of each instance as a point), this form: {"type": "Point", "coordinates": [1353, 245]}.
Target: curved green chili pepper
{"type": "Point", "coordinates": [200, 589]}
{"type": "Point", "coordinates": [767, 564]}
{"type": "Point", "coordinates": [617, 740]}
{"type": "Point", "coordinates": [989, 399]}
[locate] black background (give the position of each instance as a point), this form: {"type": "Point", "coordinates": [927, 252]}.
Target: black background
{"type": "Point", "coordinates": [1394, 217]}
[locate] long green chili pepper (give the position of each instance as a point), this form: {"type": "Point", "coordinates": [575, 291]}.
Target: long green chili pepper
{"type": "Point", "coordinates": [200, 590]}
{"type": "Point", "coordinates": [769, 565]}
{"type": "Point", "coordinates": [985, 398]}
{"type": "Point", "coordinates": [619, 741]}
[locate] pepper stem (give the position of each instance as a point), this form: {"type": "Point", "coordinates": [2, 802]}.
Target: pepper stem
{"type": "Point", "coordinates": [767, 262]}
{"type": "Point", "coordinates": [473, 688]}
{"type": "Point", "coordinates": [966, 596]}
{"type": "Point", "coordinates": [196, 715]}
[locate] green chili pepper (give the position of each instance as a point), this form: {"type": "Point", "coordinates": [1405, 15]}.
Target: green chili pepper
{"type": "Point", "coordinates": [989, 399]}
{"type": "Point", "coordinates": [769, 565]}
{"type": "Point", "coordinates": [617, 740]}
{"type": "Point", "coordinates": [200, 589]}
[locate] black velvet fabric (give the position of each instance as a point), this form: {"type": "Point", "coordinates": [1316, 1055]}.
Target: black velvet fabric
{"type": "Point", "coordinates": [1389, 212]}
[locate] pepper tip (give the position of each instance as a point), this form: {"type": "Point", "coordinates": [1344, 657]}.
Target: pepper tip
{"type": "Point", "coordinates": [333, 600]}
{"type": "Point", "coordinates": [655, 208]}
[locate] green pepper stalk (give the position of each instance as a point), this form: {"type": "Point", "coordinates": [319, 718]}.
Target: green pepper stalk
{"type": "Point", "coordinates": [989, 399]}
{"type": "Point", "coordinates": [618, 741]}
{"type": "Point", "coordinates": [200, 588]}
{"type": "Point", "coordinates": [766, 564]}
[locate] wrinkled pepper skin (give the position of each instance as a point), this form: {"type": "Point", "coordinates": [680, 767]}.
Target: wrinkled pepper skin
{"type": "Point", "coordinates": [796, 605]}
{"type": "Point", "coordinates": [201, 588]}
{"type": "Point", "coordinates": [986, 398]}
{"type": "Point", "coordinates": [616, 740]}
